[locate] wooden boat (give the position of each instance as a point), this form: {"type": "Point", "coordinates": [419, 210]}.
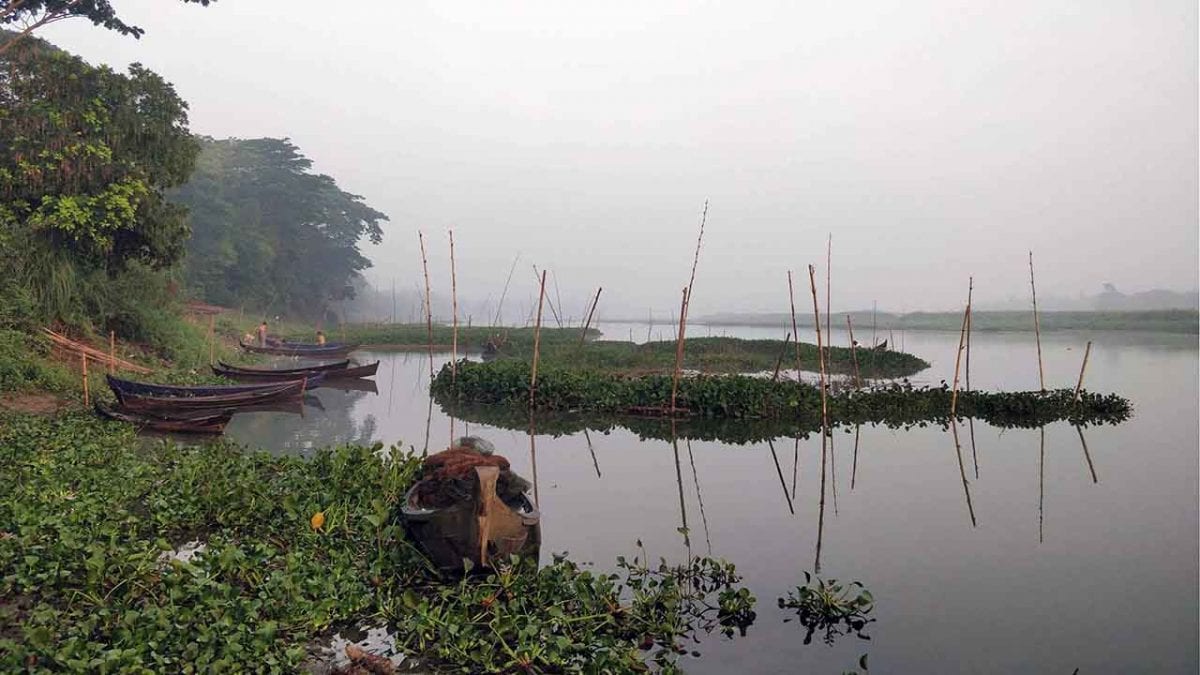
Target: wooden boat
{"type": "Point", "coordinates": [315, 368]}
{"type": "Point", "coordinates": [192, 424]}
{"type": "Point", "coordinates": [267, 375]}
{"type": "Point", "coordinates": [121, 387]}
{"type": "Point", "coordinates": [481, 529]}
{"type": "Point", "coordinates": [302, 349]}
{"type": "Point", "coordinates": [275, 391]}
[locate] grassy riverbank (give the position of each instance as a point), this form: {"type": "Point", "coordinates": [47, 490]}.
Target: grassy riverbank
{"type": "Point", "coordinates": [1164, 320]}
{"type": "Point", "coordinates": [88, 583]}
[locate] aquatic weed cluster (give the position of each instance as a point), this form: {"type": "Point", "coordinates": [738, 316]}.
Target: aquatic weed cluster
{"type": "Point", "coordinates": [831, 607]}
{"type": "Point", "coordinates": [90, 516]}
{"type": "Point", "coordinates": [739, 397]}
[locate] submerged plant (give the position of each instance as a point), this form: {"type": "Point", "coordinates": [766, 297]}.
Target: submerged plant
{"type": "Point", "coordinates": [829, 606]}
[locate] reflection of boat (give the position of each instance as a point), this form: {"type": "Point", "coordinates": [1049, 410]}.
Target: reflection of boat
{"type": "Point", "coordinates": [302, 349]}
{"type": "Point", "coordinates": [192, 424]}
{"type": "Point", "coordinates": [351, 385]}
{"type": "Point", "coordinates": [268, 375]}
{"type": "Point", "coordinates": [480, 528]}
{"type": "Point", "coordinates": [260, 394]}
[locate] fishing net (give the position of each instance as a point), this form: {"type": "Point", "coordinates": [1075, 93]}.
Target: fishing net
{"type": "Point", "coordinates": [448, 477]}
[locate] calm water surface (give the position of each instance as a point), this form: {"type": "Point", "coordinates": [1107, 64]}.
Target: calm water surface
{"type": "Point", "coordinates": [1058, 571]}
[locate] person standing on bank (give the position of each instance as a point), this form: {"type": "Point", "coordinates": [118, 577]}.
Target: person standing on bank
{"type": "Point", "coordinates": [262, 334]}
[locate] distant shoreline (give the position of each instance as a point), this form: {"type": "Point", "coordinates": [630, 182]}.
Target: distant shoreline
{"type": "Point", "coordinates": [1181, 321]}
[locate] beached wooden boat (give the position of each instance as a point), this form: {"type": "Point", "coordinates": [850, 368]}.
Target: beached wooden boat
{"type": "Point", "coordinates": [191, 424]}
{"type": "Point", "coordinates": [333, 349]}
{"type": "Point", "coordinates": [275, 391]}
{"type": "Point", "coordinates": [120, 387]}
{"type": "Point", "coordinates": [481, 529]}
{"type": "Point", "coordinates": [267, 375]}
{"type": "Point", "coordinates": [314, 368]}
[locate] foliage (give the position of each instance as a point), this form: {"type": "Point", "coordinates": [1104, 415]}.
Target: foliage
{"type": "Point", "coordinates": [559, 388]}
{"type": "Point", "coordinates": [89, 512]}
{"type": "Point", "coordinates": [33, 14]}
{"type": "Point", "coordinates": [415, 336]}
{"type": "Point", "coordinates": [24, 365]}
{"type": "Point", "coordinates": [267, 233]}
{"type": "Point", "coordinates": [85, 157]}
{"type": "Point", "coordinates": [567, 619]}
{"type": "Point", "coordinates": [831, 607]}
{"type": "Point", "coordinates": [1161, 320]}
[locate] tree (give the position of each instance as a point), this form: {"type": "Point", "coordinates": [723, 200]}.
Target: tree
{"type": "Point", "coordinates": [86, 155]}
{"type": "Point", "coordinates": [268, 233]}
{"type": "Point", "coordinates": [30, 15]}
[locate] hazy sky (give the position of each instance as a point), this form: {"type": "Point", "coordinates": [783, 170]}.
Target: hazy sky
{"type": "Point", "coordinates": [935, 140]}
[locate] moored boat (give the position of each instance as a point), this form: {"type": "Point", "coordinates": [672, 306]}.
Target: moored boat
{"type": "Point", "coordinates": [268, 375]}
{"type": "Point", "coordinates": [274, 391]}
{"type": "Point", "coordinates": [192, 424]}
{"type": "Point", "coordinates": [121, 387]}
{"type": "Point", "coordinates": [302, 349]}
{"type": "Point", "coordinates": [461, 515]}
{"type": "Point", "coordinates": [314, 368]}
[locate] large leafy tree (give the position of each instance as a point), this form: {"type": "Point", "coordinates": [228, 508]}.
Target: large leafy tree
{"type": "Point", "coordinates": [30, 15]}
{"type": "Point", "coordinates": [86, 155]}
{"type": "Point", "coordinates": [270, 234]}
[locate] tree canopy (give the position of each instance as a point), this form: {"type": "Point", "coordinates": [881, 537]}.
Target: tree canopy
{"type": "Point", "coordinates": [30, 15]}
{"type": "Point", "coordinates": [268, 233]}
{"type": "Point", "coordinates": [86, 155]}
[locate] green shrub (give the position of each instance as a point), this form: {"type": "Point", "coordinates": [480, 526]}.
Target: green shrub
{"type": "Point", "coordinates": [25, 364]}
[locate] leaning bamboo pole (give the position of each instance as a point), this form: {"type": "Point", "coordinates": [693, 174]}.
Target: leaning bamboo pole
{"type": "Point", "coordinates": [94, 354]}
{"type": "Point", "coordinates": [212, 337]}
{"type": "Point", "coordinates": [1037, 329]}
{"type": "Point", "coordinates": [782, 352]}
{"type": "Point", "coordinates": [817, 322]}
{"type": "Point", "coordinates": [1079, 385]}
{"type": "Point", "coordinates": [428, 303]}
{"type": "Point", "coordinates": [537, 342]}
{"type": "Point", "coordinates": [679, 349]}
{"type": "Point", "coordinates": [792, 301]}
{"type": "Point", "coordinates": [112, 353]}
{"type": "Point", "coordinates": [853, 353]}
{"type": "Point", "coordinates": [454, 305]}
{"type": "Point", "coordinates": [970, 319]}
{"type": "Point", "coordinates": [962, 336]}
{"type": "Point", "coordinates": [588, 324]}
{"type": "Point", "coordinates": [828, 295]}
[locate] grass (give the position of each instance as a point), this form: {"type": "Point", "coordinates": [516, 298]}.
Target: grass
{"type": "Point", "coordinates": [1164, 320]}
{"type": "Point", "coordinates": [26, 366]}
{"type": "Point", "coordinates": [89, 512]}
{"type": "Point", "coordinates": [505, 384]}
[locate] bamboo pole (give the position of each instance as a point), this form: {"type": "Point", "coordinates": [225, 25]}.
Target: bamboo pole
{"type": "Point", "coordinates": [817, 321]}
{"type": "Point", "coordinates": [454, 304]}
{"type": "Point", "coordinates": [962, 336]}
{"type": "Point", "coordinates": [853, 353]}
{"type": "Point", "coordinates": [93, 353]}
{"type": "Point", "coordinates": [86, 400]}
{"type": "Point", "coordinates": [829, 296]}
{"type": "Point", "coordinates": [591, 312]}
{"type": "Point", "coordinates": [782, 353]}
{"type": "Point", "coordinates": [549, 301]}
{"type": "Point", "coordinates": [212, 337]}
{"type": "Point", "coordinates": [1037, 329]}
{"type": "Point", "coordinates": [1079, 385]}
{"type": "Point", "coordinates": [537, 343]}
{"type": "Point", "coordinates": [792, 301]}
{"type": "Point", "coordinates": [112, 353]}
{"type": "Point", "coordinates": [428, 303]}
{"type": "Point", "coordinates": [500, 305]}
{"type": "Point", "coordinates": [970, 319]}
{"type": "Point", "coordinates": [679, 349]}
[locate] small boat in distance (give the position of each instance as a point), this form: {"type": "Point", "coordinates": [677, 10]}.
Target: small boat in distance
{"type": "Point", "coordinates": [302, 349]}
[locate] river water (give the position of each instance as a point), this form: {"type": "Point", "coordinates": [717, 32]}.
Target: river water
{"type": "Point", "coordinates": [1049, 557]}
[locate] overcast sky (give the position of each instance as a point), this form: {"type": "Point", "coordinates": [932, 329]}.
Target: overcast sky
{"type": "Point", "coordinates": [934, 140]}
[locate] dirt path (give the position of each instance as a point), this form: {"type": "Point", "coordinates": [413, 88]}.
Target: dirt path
{"type": "Point", "coordinates": [34, 403]}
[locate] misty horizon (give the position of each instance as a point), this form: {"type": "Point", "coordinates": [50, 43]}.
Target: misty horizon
{"type": "Point", "coordinates": [933, 142]}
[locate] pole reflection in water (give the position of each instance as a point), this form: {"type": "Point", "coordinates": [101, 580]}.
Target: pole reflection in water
{"type": "Point", "coordinates": [533, 460]}
{"type": "Point", "coordinates": [699, 497]}
{"type": "Point", "coordinates": [832, 467]}
{"type": "Point", "coordinates": [854, 462]}
{"type": "Point", "coordinates": [679, 483]}
{"type": "Point", "coordinates": [971, 430]}
{"type": "Point", "coordinates": [1041, 483]}
{"type": "Point", "coordinates": [795, 465]}
{"type": "Point", "coordinates": [1087, 455]}
{"type": "Point", "coordinates": [592, 450]}
{"type": "Point", "coordinates": [782, 483]}
{"type": "Point", "coordinates": [962, 471]}
{"type": "Point", "coordinates": [820, 512]}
